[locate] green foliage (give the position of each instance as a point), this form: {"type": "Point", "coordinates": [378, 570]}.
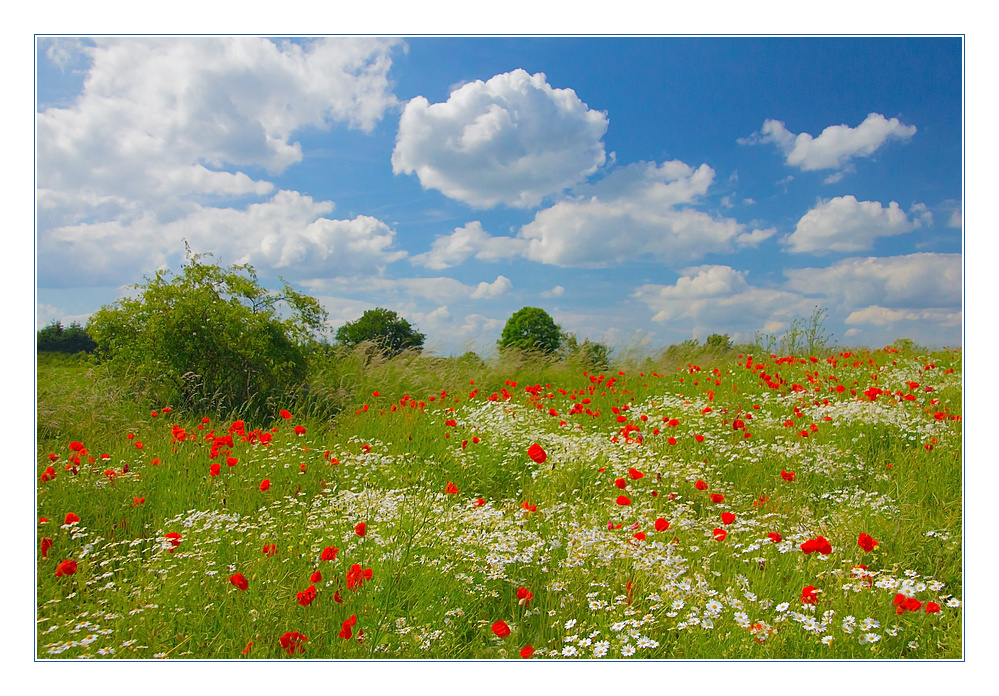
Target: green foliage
{"type": "Point", "coordinates": [718, 341]}
{"type": "Point", "coordinates": [531, 328]}
{"type": "Point", "coordinates": [54, 338]}
{"type": "Point", "coordinates": [210, 338]}
{"type": "Point", "coordinates": [803, 336]}
{"type": "Point", "coordinates": [387, 330]}
{"type": "Point", "coordinates": [590, 355]}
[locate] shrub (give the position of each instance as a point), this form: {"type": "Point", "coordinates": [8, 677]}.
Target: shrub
{"type": "Point", "coordinates": [387, 330]}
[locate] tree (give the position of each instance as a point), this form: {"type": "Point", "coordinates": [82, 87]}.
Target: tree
{"type": "Point", "coordinates": [531, 328]}
{"type": "Point", "coordinates": [719, 341]}
{"type": "Point", "coordinates": [591, 355]}
{"type": "Point", "coordinates": [210, 338]}
{"type": "Point", "coordinates": [386, 329]}
{"type": "Point", "coordinates": [54, 338]}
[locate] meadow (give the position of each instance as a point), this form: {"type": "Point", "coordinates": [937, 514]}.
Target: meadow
{"type": "Point", "coordinates": [706, 504]}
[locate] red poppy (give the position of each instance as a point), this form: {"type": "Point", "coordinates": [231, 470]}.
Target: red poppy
{"type": "Point", "coordinates": [265, 484]}
{"type": "Point", "coordinates": [526, 652]}
{"type": "Point", "coordinates": [479, 502]}
{"type": "Point", "coordinates": [67, 567]}
{"type": "Point", "coordinates": [817, 545]}
{"type": "Point", "coordinates": [231, 461]}
{"type": "Point", "coordinates": [46, 545]}
{"type": "Point", "coordinates": [524, 596]}
{"type": "Point", "coordinates": [810, 595]}
{"type": "Point", "coordinates": [76, 446]}
{"type": "Point", "coordinates": [336, 597]}
{"type": "Point", "coordinates": [719, 534]}
{"type": "Point", "coordinates": [48, 474]}
{"type": "Point", "coordinates": [635, 474]}
{"type": "Point", "coordinates": [71, 517]}
{"type": "Point", "coordinates": [701, 486]}
{"type": "Point", "coordinates": [728, 517]}
{"type": "Point", "coordinates": [699, 438]}
{"type": "Point", "coordinates": [775, 537]}
{"type": "Point", "coordinates": [292, 642]}
{"type": "Point", "coordinates": [932, 607]}
{"type": "Point", "coordinates": [904, 604]}
{"type": "Point", "coordinates": [661, 525]}
{"type": "Point", "coordinates": [361, 529]}
{"type": "Point", "coordinates": [640, 536]}
{"type": "Point", "coordinates": [316, 577]}
{"type": "Point", "coordinates": [346, 633]}
{"type": "Point", "coordinates": [623, 500]}
{"type": "Point", "coordinates": [527, 505]}
{"type": "Point", "coordinates": [246, 650]}
{"type": "Point", "coordinates": [501, 629]}
{"type": "Point", "coordinates": [285, 414]}
{"type": "Point", "coordinates": [306, 596]}
{"type": "Point", "coordinates": [787, 476]}
{"type": "Point", "coordinates": [356, 576]}
{"type": "Point", "coordinates": [174, 539]}
{"type": "Point", "coordinates": [240, 581]}
{"type": "Point", "coordinates": [536, 453]}
{"type": "Point", "coordinates": [450, 489]}
{"type": "Point", "coordinates": [214, 470]}
{"type": "Point", "coordinates": [137, 501]}
{"type": "Point", "coordinates": [621, 483]}
{"type": "Point", "coordinates": [329, 553]}
{"type": "Point", "coordinates": [717, 498]}
{"type": "Point", "coordinates": [270, 549]}
{"type": "Point", "coordinates": [299, 430]}
{"type": "Point", "coordinates": [867, 542]}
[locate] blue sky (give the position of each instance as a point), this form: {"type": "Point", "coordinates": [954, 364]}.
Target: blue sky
{"type": "Point", "coordinates": [643, 191]}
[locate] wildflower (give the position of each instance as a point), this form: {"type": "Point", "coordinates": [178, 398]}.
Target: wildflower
{"type": "Point", "coordinates": [450, 489]}
{"type": "Point", "coordinates": [316, 577]}
{"type": "Point", "coordinates": [623, 500]}
{"type": "Point", "coordinates": [361, 529]}
{"type": "Point", "coordinates": [787, 476]}
{"type": "Point", "coordinates": [866, 542]}
{"type": "Point", "coordinates": [292, 642]}
{"type": "Point", "coordinates": [640, 536]}
{"type": "Point", "coordinates": [345, 632]}
{"type": "Point", "coordinates": [526, 652]}
{"type": "Point", "coordinates": [621, 483]}
{"type": "Point", "coordinates": [661, 525]}
{"type": "Point", "coordinates": [67, 567]}
{"type": "Point", "coordinates": [306, 597]}
{"type": "Point", "coordinates": [827, 640]}
{"type": "Point", "coordinates": [809, 595]}
{"type": "Point", "coordinates": [270, 549]}
{"type": "Point", "coordinates": [214, 469]}
{"type": "Point", "coordinates": [818, 544]}
{"type": "Point", "coordinates": [329, 553]}
{"type": "Point", "coordinates": [265, 484]}
{"type": "Point", "coordinates": [627, 650]}
{"type": "Point", "coordinates": [479, 502]}
{"type": "Point", "coordinates": [701, 486]}
{"type": "Point", "coordinates": [528, 506]}
{"type": "Point", "coordinates": [71, 517]}
{"type": "Point", "coordinates": [635, 474]}
{"type": "Point", "coordinates": [524, 596]}
{"type": "Point", "coordinates": [501, 629]}
{"type": "Point", "coordinates": [953, 602]}
{"type": "Point", "coordinates": [356, 576]}
{"type": "Point", "coordinates": [775, 537]}
{"type": "Point", "coordinates": [719, 534]}
{"type": "Point", "coordinates": [240, 581]}
{"type": "Point", "coordinates": [285, 414]}
{"type": "Point", "coordinates": [728, 517]}
{"type": "Point", "coordinates": [174, 539]}
{"type": "Point", "coordinates": [231, 461]}
{"type": "Point", "coordinates": [246, 650]}
{"type": "Point", "coordinates": [46, 545]}
{"type": "Point", "coordinates": [717, 498]}
{"type": "Point", "coordinates": [299, 430]}
{"type": "Point", "coordinates": [536, 453]}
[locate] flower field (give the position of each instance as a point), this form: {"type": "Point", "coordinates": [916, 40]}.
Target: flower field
{"type": "Point", "coordinates": [737, 507]}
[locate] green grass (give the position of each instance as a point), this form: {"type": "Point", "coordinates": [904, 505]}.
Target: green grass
{"type": "Point", "coordinates": [444, 568]}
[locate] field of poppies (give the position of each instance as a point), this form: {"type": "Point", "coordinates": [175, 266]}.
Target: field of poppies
{"type": "Point", "coordinates": [716, 505]}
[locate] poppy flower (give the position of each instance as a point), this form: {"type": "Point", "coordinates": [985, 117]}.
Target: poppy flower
{"type": "Point", "coordinates": [137, 501]}
{"type": "Point", "coordinates": [817, 545]}
{"type": "Point", "coordinates": [621, 483]}
{"type": "Point", "coordinates": [300, 430]}
{"type": "Point", "coordinates": [46, 545]}
{"type": "Point", "coordinates": [246, 650]}
{"type": "Point", "coordinates": [728, 517]}
{"type": "Point", "coordinates": [501, 629]}
{"type": "Point", "coordinates": [699, 438]}
{"type": "Point", "coordinates": [292, 642]}
{"type": "Point", "coordinates": [867, 542]}
{"type": "Point", "coordinates": [527, 505]}
{"type": "Point", "coordinates": [775, 537]}
{"type": "Point", "coordinates": [174, 539]}
{"type": "Point", "coordinates": [719, 534]}
{"type": "Point", "coordinates": [623, 500]}
{"type": "Point", "coordinates": [336, 597]}
{"type": "Point", "coordinates": [214, 470]}
{"type": "Point", "coordinates": [316, 577]}
{"type": "Point", "coordinates": [270, 550]}
{"type": "Point", "coordinates": [76, 446]}
{"type": "Point", "coordinates": [536, 453]}
{"type": "Point", "coordinates": [285, 414]}
{"type": "Point", "coordinates": [48, 475]}
{"type": "Point", "coordinates": [479, 502]}
{"type": "Point", "coordinates": [71, 517]}
{"type": "Point", "coordinates": [306, 596]}
{"type": "Point", "coordinates": [67, 567]}
{"type": "Point", "coordinates": [809, 595]}
{"type": "Point", "coordinates": [345, 632]}
{"type": "Point", "coordinates": [361, 529]}
{"type": "Point", "coordinates": [265, 484]}
{"type": "Point", "coordinates": [787, 476]}
{"type": "Point", "coordinates": [329, 553]}
{"type": "Point", "coordinates": [661, 525]}
{"type": "Point", "coordinates": [524, 596]}
{"type": "Point", "coordinates": [904, 604]}
{"type": "Point", "coordinates": [932, 607]}
{"type": "Point", "coordinates": [526, 652]}
{"type": "Point", "coordinates": [231, 461]}
{"type": "Point", "coordinates": [240, 581]}
{"type": "Point", "coordinates": [701, 486]}
{"type": "Point", "coordinates": [717, 498]}
{"type": "Point", "coordinates": [635, 474]}
{"type": "Point", "coordinates": [356, 576]}
{"type": "Point", "coordinates": [640, 536]}
{"type": "Point", "coordinates": [450, 489]}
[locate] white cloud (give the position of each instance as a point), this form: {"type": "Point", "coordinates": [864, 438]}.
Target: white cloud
{"type": "Point", "coordinates": [846, 224]}
{"type": "Point", "coordinates": [835, 146]}
{"type": "Point", "coordinates": [882, 316]}
{"type": "Point", "coordinates": [956, 219]}
{"type": "Point", "coordinates": [464, 243]}
{"type": "Point", "coordinates": [756, 237]}
{"type": "Point", "coordinates": [556, 291]}
{"type": "Point", "coordinates": [512, 140]}
{"type": "Point", "coordinates": [913, 281]}
{"type": "Point", "coordinates": [487, 291]}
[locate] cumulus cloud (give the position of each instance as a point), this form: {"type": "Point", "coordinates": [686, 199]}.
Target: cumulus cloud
{"type": "Point", "coordinates": [835, 146]}
{"type": "Point", "coordinates": [512, 140]}
{"type": "Point", "coordinates": [464, 243]}
{"type": "Point", "coordinates": [882, 316]}
{"type": "Point", "coordinates": [913, 281]}
{"type": "Point", "coordinates": [846, 224]}
{"type": "Point", "coordinates": [719, 298]}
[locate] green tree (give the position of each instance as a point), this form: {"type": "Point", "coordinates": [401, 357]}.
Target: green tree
{"type": "Point", "coordinates": [719, 341]}
{"type": "Point", "coordinates": [591, 355]}
{"type": "Point", "coordinates": [531, 328]}
{"type": "Point", "coordinates": [54, 338]}
{"type": "Point", "coordinates": [386, 329]}
{"type": "Point", "coordinates": [210, 338]}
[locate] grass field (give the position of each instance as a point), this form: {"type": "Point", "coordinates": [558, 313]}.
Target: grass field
{"type": "Point", "coordinates": [713, 505]}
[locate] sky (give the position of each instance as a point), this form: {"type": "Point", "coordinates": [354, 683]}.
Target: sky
{"type": "Point", "coordinates": [641, 190]}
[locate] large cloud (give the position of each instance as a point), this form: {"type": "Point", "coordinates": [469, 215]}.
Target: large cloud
{"type": "Point", "coordinates": [836, 145]}
{"type": "Point", "coordinates": [511, 140]}
{"type": "Point", "coordinates": [464, 243]}
{"type": "Point", "coordinates": [845, 224]}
